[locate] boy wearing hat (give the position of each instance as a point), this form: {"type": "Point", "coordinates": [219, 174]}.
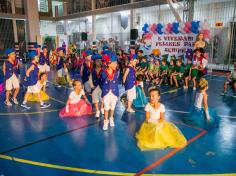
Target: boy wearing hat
{"type": "Point", "coordinates": [110, 91]}
{"type": "Point", "coordinates": [86, 70]}
{"type": "Point", "coordinates": [32, 79]}
{"type": "Point", "coordinates": [129, 82]}
{"type": "Point", "coordinates": [12, 82]}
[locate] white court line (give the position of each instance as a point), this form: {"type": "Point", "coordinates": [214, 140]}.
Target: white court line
{"type": "Point", "coordinates": [185, 112]}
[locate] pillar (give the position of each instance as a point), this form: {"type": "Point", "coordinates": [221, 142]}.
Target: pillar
{"type": "Point", "coordinates": [33, 27]}
{"type": "Point", "coordinates": [15, 29]}
{"type": "Point", "coordinates": [93, 21]}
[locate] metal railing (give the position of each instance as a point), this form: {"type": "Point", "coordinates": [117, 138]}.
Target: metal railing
{"type": "Point", "coordinates": [110, 3]}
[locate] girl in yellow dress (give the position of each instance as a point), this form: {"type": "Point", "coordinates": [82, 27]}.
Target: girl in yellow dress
{"type": "Point", "coordinates": [156, 132]}
{"type": "Point", "coordinates": [41, 84]}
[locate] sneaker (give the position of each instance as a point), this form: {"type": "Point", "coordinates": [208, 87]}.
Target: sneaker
{"type": "Point", "coordinates": [8, 103]}
{"type": "Point", "coordinates": [44, 105]}
{"type": "Point", "coordinates": [131, 110]}
{"type": "Point", "coordinates": [112, 124]}
{"type": "Point", "coordinates": [25, 106]}
{"type": "Point", "coordinates": [185, 87]}
{"type": "Point", "coordinates": [102, 111]}
{"type": "Point", "coordinates": [234, 96]}
{"type": "Point", "coordinates": [15, 101]}
{"type": "Point", "coordinates": [58, 85]}
{"type": "Point", "coordinates": [105, 125]}
{"type": "Point", "coordinates": [223, 93]}
{"type": "Point", "coordinates": [97, 114]}
{"type": "Point", "coordinates": [194, 88]}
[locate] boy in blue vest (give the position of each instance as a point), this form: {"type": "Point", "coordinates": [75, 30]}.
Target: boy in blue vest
{"type": "Point", "coordinates": [86, 70]}
{"type": "Point", "coordinates": [110, 91]}
{"type": "Point", "coordinates": [129, 82]}
{"type": "Point", "coordinates": [44, 63]}
{"type": "Point", "coordinates": [31, 81]}
{"type": "Point", "coordinates": [95, 84]}
{"type": "Point", "coordinates": [12, 82]}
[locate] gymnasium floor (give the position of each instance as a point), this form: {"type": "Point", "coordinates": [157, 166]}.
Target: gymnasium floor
{"type": "Point", "coordinates": [37, 142]}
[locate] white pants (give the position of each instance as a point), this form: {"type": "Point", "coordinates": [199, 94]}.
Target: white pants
{"type": "Point", "coordinates": [109, 101]}
{"type": "Point", "coordinates": [33, 89]}
{"type": "Point", "coordinates": [97, 95]}
{"type": "Point", "coordinates": [87, 87]}
{"type": "Point", "coordinates": [44, 68]}
{"type": "Point", "coordinates": [131, 94]}
{"type": "Point", "coordinates": [12, 83]}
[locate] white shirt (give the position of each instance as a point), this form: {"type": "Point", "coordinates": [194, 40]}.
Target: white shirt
{"type": "Point", "coordinates": [154, 113]}
{"type": "Point", "coordinates": [198, 100]}
{"type": "Point", "coordinates": [140, 84]}
{"type": "Point", "coordinates": [75, 98]}
{"type": "Point", "coordinates": [41, 85]}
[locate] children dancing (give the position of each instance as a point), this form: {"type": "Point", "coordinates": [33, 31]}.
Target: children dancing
{"type": "Point", "coordinates": [31, 81]}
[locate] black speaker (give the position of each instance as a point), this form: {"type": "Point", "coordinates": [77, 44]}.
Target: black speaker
{"type": "Point", "coordinates": [84, 36]}
{"type": "Point", "coordinates": [132, 42]}
{"type": "Point", "coordinates": [133, 34]}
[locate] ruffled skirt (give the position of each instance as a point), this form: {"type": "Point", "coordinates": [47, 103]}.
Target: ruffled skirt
{"type": "Point", "coordinates": [197, 117]}
{"type": "Point", "coordinates": [75, 110]}
{"type": "Point", "coordinates": [159, 136]}
{"type": "Point", "coordinates": [34, 97]}
{"type": "Point", "coordinates": [141, 99]}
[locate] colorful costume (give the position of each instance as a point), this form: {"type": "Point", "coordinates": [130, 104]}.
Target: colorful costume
{"type": "Point", "coordinates": [12, 82]}
{"type": "Point", "coordinates": [44, 96]}
{"type": "Point", "coordinates": [110, 90]}
{"type": "Point", "coordinates": [77, 106]}
{"type": "Point", "coordinates": [62, 73]}
{"type": "Point", "coordinates": [87, 69]}
{"type": "Point", "coordinates": [130, 84]}
{"type": "Point", "coordinates": [141, 99]}
{"type": "Point", "coordinates": [198, 116]}
{"type": "Point", "coordinates": [44, 63]}
{"type": "Point", "coordinates": [96, 82]}
{"type": "Point", "coordinates": [159, 135]}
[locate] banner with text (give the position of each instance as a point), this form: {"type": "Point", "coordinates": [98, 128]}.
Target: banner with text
{"type": "Point", "coordinates": [173, 44]}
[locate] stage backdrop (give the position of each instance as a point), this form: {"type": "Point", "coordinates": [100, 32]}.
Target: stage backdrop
{"type": "Point", "coordinates": [172, 44]}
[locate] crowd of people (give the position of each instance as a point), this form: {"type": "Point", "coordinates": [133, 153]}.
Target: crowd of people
{"type": "Point", "coordinates": [101, 73]}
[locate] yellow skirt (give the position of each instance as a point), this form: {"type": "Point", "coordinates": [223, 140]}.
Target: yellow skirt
{"type": "Point", "coordinates": [159, 136]}
{"type": "Point", "coordinates": [34, 97]}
